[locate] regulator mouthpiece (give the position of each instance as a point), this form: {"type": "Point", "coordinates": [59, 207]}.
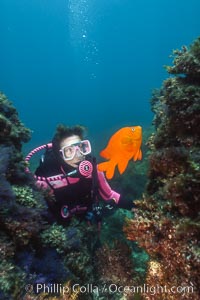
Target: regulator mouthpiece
{"type": "Point", "coordinates": [85, 168]}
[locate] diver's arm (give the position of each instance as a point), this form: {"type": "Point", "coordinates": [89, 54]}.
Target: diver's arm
{"type": "Point", "coordinates": [108, 194]}
{"type": "Point", "coordinates": [105, 190]}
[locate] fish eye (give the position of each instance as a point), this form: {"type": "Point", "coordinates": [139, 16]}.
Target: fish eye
{"type": "Point", "coordinates": [133, 129]}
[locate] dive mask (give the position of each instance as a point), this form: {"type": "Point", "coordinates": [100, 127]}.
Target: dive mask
{"type": "Point", "coordinates": [82, 147]}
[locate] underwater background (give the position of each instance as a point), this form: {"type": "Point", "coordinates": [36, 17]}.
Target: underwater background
{"type": "Point", "coordinates": [89, 62]}
{"type": "Point", "coordinates": [101, 64]}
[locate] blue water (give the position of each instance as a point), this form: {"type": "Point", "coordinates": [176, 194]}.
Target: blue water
{"type": "Point", "coordinates": [89, 62]}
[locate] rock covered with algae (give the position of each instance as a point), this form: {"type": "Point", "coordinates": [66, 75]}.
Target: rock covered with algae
{"type": "Point", "coordinates": [166, 222]}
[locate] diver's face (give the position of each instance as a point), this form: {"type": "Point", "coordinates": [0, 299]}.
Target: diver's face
{"type": "Point", "coordinates": [70, 152]}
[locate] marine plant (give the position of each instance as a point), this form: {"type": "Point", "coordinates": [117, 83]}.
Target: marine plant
{"type": "Point", "coordinates": [55, 236]}
{"type": "Point", "coordinates": [166, 221]}
{"type": "Point", "coordinates": [25, 195]}
{"type": "Point", "coordinates": [13, 131]}
{"type": "Point", "coordinates": [113, 266]}
{"type": "Point", "coordinates": [11, 278]}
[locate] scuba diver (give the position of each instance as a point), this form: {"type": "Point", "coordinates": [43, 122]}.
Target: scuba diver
{"type": "Point", "coordinates": [70, 171]}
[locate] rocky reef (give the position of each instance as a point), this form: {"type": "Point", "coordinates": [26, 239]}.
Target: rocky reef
{"type": "Point", "coordinates": [167, 222]}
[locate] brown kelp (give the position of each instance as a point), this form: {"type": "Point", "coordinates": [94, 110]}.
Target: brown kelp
{"type": "Point", "coordinates": [166, 222]}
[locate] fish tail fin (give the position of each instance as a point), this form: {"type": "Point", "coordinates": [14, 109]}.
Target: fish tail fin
{"type": "Point", "coordinates": [108, 167]}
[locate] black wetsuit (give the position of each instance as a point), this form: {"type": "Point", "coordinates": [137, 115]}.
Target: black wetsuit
{"type": "Point", "coordinates": [78, 193]}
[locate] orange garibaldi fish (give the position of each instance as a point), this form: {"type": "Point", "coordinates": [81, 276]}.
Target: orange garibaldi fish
{"type": "Point", "coordinates": [123, 145]}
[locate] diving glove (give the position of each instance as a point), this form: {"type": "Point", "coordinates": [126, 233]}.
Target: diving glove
{"type": "Point", "coordinates": [110, 204]}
